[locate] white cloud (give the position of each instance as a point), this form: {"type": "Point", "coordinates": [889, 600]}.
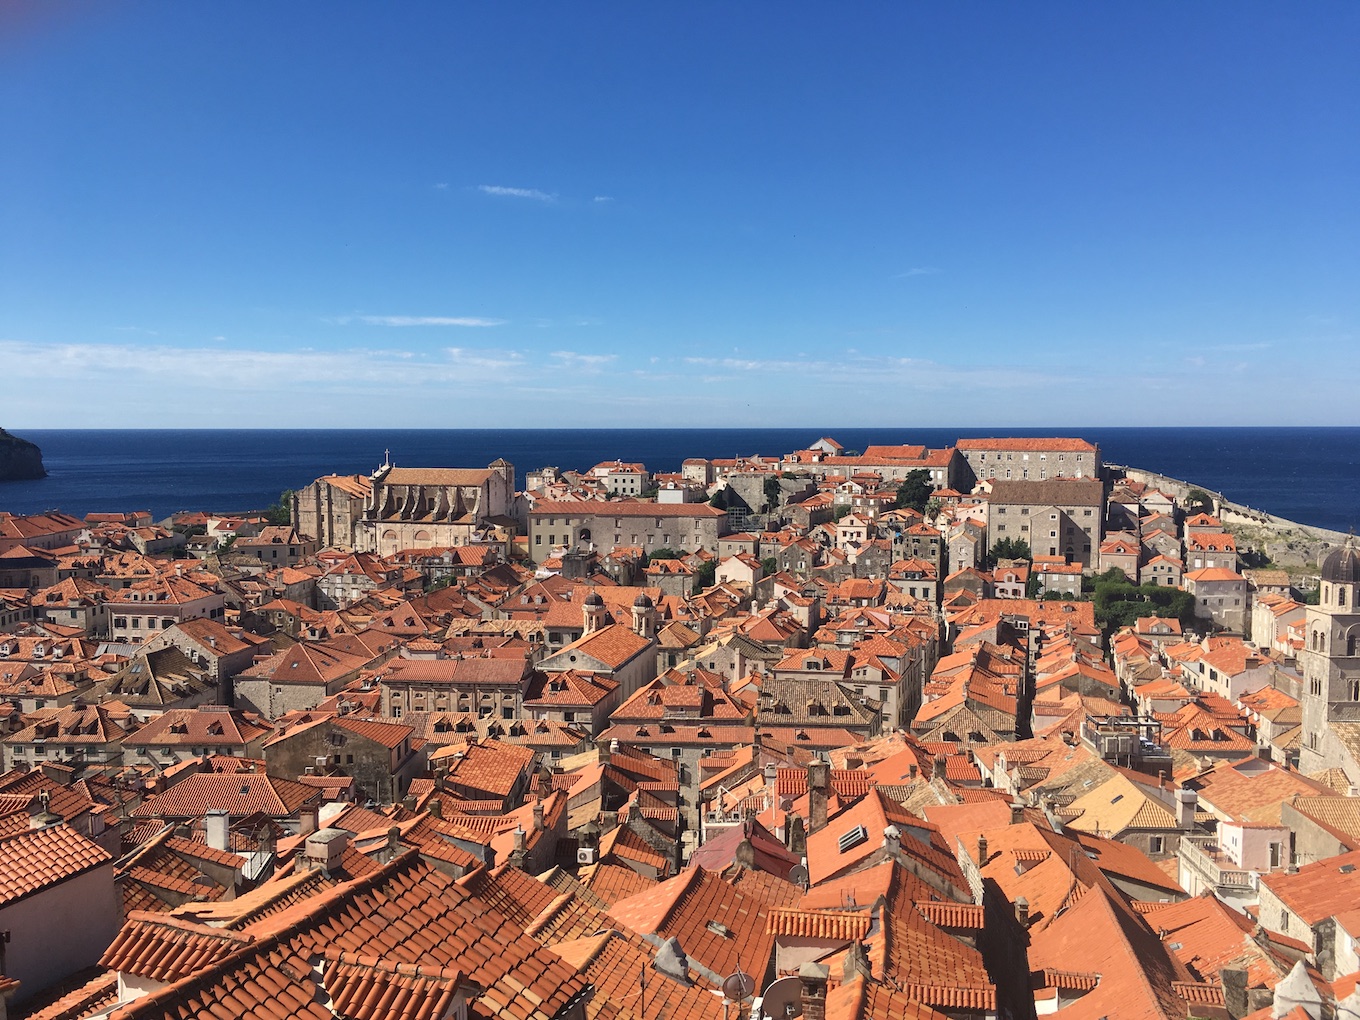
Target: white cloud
{"type": "Point", "coordinates": [534, 193]}
{"type": "Point", "coordinates": [442, 186]}
{"type": "Point", "coordinates": [424, 320]}
{"type": "Point", "coordinates": [586, 362]}
{"type": "Point", "coordinates": [918, 271]}
{"type": "Point", "coordinates": [603, 198]}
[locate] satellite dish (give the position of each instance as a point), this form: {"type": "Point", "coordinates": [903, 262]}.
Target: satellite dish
{"type": "Point", "coordinates": [738, 987]}
{"type": "Point", "coordinates": [798, 875]}
{"type": "Point", "coordinates": [783, 999]}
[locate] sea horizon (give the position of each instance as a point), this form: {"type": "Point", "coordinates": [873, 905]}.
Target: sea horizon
{"type": "Point", "coordinates": [1302, 473]}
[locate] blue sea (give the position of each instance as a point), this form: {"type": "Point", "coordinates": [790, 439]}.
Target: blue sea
{"type": "Point", "coordinates": [1309, 475]}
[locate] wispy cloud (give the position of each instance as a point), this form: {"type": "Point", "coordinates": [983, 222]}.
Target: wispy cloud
{"type": "Point", "coordinates": [534, 193]}
{"type": "Point", "coordinates": [603, 198]}
{"type": "Point", "coordinates": [441, 186]}
{"type": "Point", "coordinates": [586, 362]}
{"type": "Point", "coordinates": [918, 271]}
{"type": "Point", "coordinates": [424, 320]}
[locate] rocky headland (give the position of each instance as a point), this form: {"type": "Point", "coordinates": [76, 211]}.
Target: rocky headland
{"type": "Point", "coordinates": [20, 460]}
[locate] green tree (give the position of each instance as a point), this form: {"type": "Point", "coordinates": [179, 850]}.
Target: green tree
{"type": "Point", "coordinates": [1032, 586]}
{"type": "Point", "coordinates": [769, 565]}
{"type": "Point", "coordinates": [719, 499]}
{"type": "Point", "coordinates": [774, 495]}
{"type": "Point", "coordinates": [664, 554]}
{"type": "Point", "coordinates": [281, 513]}
{"type": "Point", "coordinates": [915, 490]}
{"type": "Point", "coordinates": [1008, 549]}
{"type": "Point", "coordinates": [704, 575]}
{"type": "Point", "coordinates": [1197, 501]}
{"type": "Point", "coordinates": [933, 507]}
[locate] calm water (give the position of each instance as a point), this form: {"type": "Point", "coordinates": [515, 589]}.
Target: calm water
{"type": "Point", "coordinates": [1305, 474]}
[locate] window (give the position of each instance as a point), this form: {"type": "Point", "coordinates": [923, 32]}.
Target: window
{"type": "Point", "coordinates": [1156, 844]}
{"type": "Point", "coordinates": [1353, 690]}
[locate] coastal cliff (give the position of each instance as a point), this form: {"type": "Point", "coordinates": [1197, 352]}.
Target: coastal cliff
{"type": "Point", "coordinates": [20, 460]}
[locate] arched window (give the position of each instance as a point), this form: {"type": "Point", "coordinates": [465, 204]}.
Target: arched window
{"type": "Point", "coordinates": [1350, 650]}
{"type": "Point", "coordinates": [1340, 595]}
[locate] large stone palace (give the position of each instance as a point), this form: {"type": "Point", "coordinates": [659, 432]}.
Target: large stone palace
{"type": "Point", "coordinates": [405, 508]}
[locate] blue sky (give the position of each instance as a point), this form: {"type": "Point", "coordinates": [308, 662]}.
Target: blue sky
{"type": "Point", "coordinates": [467, 215]}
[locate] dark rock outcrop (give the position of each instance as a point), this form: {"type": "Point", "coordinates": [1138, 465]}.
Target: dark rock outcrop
{"type": "Point", "coordinates": [20, 460]}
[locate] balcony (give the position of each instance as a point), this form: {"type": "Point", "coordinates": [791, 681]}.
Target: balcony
{"type": "Point", "coordinates": [1216, 868]}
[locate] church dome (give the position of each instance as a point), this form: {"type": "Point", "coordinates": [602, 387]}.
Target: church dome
{"type": "Point", "coordinates": [1342, 566]}
{"type": "Point", "coordinates": [642, 602]}
{"type": "Point", "coordinates": [593, 599]}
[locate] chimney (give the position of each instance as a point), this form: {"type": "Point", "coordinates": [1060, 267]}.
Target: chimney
{"type": "Point", "coordinates": [325, 848]}
{"type": "Point", "coordinates": [307, 819]}
{"type": "Point", "coordinates": [40, 816]}
{"type": "Point", "coordinates": [813, 977]}
{"type": "Point", "coordinates": [216, 828]}
{"type": "Point", "coordinates": [982, 850]}
{"type": "Point", "coordinates": [856, 964]}
{"type": "Point", "coordinates": [671, 960]}
{"type": "Point", "coordinates": [771, 775]}
{"type": "Point", "coordinates": [435, 807]}
{"type": "Point", "coordinates": [819, 788]}
{"type": "Point", "coordinates": [911, 772]}
{"type": "Point", "coordinates": [1186, 802]}
{"type": "Point", "coordinates": [892, 841]}
{"type": "Point", "coordinates": [519, 856]}
{"type": "Point", "coordinates": [604, 751]}
{"type": "Point", "coordinates": [393, 841]}
{"type": "Point", "coordinates": [1017, 812]}
{"type": "Point", "coordinates": [1234, 983]}
{"type": "Point", "coordinates": [939, 766]}
{"type": "Point", "coordinates": [1022, 911]}
{"type": "Point", "coordinates": [538, 816]}
{"type": "Point", "coordinates": [795, 836]}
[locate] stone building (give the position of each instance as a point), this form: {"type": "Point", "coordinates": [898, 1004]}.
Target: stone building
{"type": "Point", "coordinates": [1057, 517]}
{"type": "Point", "coordinates": [601, 525]}
{"type": "Point", "coordinates": [1330, 663]}
{"type": "Point", "coordinates": [1032, 459]}
{"type": "Point", "coordinates": [378, 755]}
{"type": "Point", "coordinates": [405, 508]}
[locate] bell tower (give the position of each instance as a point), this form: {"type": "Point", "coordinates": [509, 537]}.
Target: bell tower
{"type": "Point", "coordinates": [1330, 660]}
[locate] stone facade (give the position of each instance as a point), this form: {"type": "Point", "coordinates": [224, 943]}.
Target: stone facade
{"type": "Point", "coordinates": [1058, 517]}
{"type": "Point", "coordinates": [404, 508]}
{"type": "Point", "coordinates": [602, 525]}
{"type": "Point", "coordinates": [1033, 459]}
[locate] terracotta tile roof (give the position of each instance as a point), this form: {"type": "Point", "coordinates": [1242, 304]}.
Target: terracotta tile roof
{"type": "Point", "coordinates": [838, 925]}
{"type": "Point", "coordinates": [165, 949]}
{"type": "Point", "coordinates": [240, 793]}
{"type": "Point", "coordinates": [208, 726]}
{"type": "Point", "coordinates": [369, 988]}
{"type": "Point", "coordinates": [491, 767]}
{"type": "Point", "coordinates": [1026, 445]}
{"type": "Point", "coordinates": [33, 860]}
{"type": "Point", "coordinates": [1319, 890]}
{"type": "Point", "coordinates": [96, 996]}
{"type": "Point", "coordinates": [720, 925]}
{"type": "Point", "coordinates": [614, 882]}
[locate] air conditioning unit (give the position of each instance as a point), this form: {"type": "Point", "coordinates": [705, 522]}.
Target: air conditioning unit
{"type": "Point", "coordinates": [585, 855]}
